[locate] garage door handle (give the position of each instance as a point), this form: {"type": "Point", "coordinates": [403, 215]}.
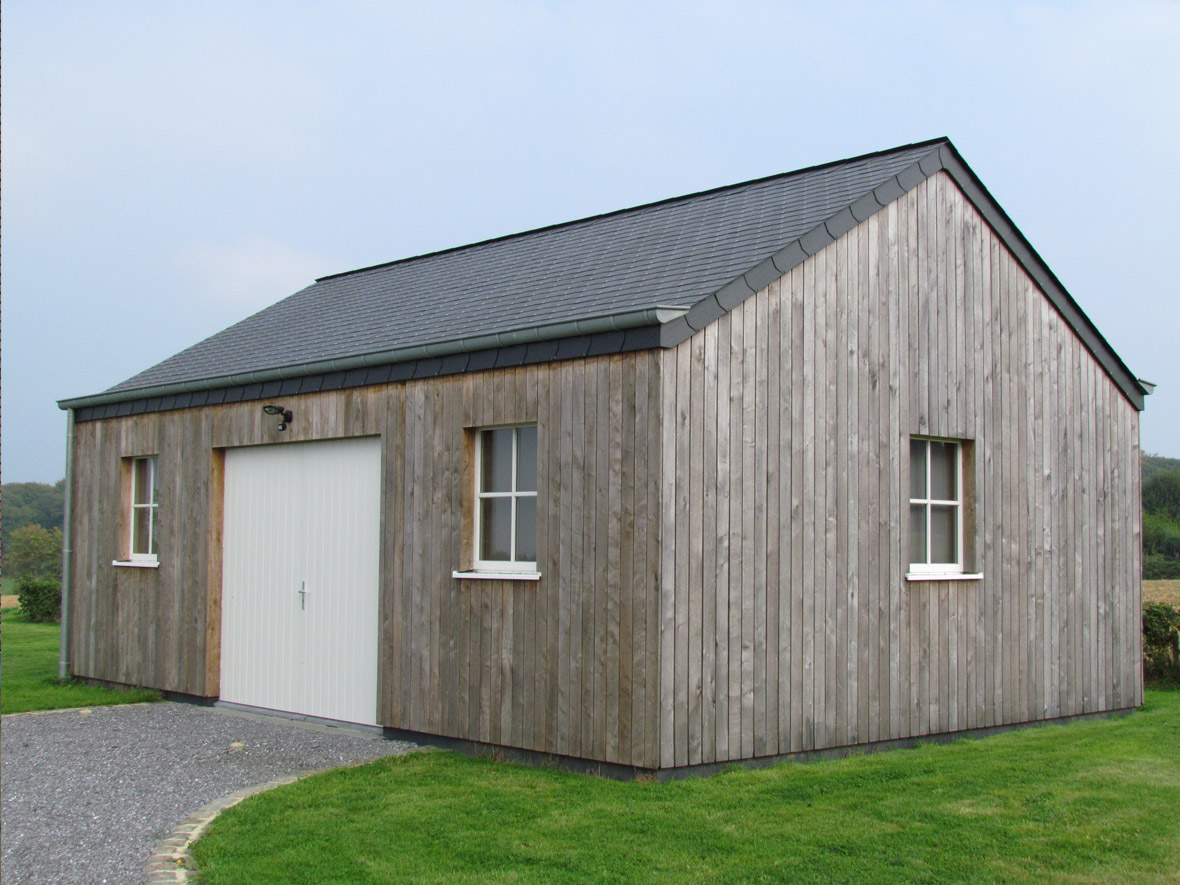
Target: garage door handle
{"type": "Point", "coordinates": [302, 595]}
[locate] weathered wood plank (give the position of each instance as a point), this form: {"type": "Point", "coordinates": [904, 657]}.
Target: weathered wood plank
{"type": "Point", "coordinates": [757, 687]}
{"type": "Point", "coordinates": [749, 561]}
{"type": "Point", "coordinates": [737, 368]}
{"type": "Point", "coordinates": [566, 578]}
{"type": "Point", "coordinates": [668, 577]}
{"type": "Point", "coordinates": [713, 398]}
{"type": "Point", "coordinates": [725, 508]}
{"type": "Point", "coordinates": [589, 601]}
{"type": "Point", "coordinates": [800, 484]}
{"type": "Point", "coordinates": [690, 596]}
{"type": "Point", "coordinates": [771, 461]}
{"type": "Point", "coordinates": [655, 546]}
{"type": "Point", "coordinates": [874, 355]}
{"type": "Point", "coordinates": [681, 598]}
{"type": "Point", "coordinates": [616, 513]}
{"type": "Point", "coordinates": [641, 518]}
{"type": "Point", "coordinates": [853, 669]}
{"type": "Point", "coordinates": [785, 589]}
{"type": "Point", "coordinates": [809, 587]}
{"type": "Point", "coordinates": [839, 442]}
{"type": "Point", "coordinates": [865, 576]}
{"type": "Point", "coordinates": [889, 603]}
{"type": "Point", "coordinates": [907, 283]}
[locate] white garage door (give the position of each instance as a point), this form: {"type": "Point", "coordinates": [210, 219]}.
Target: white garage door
{"type": "Point", "coordinates": [299, 578]}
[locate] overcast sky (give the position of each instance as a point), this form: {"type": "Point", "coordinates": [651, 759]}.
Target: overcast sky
{"type": "Point", "coordinates": [170, 168]}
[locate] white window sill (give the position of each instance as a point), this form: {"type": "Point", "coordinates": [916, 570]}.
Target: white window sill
{"type": "Point", "coordinates": [496, 576]}
{"type": "Point", "coordinates": [135, 563]}
{"type": "Point", "coordinates": [942, 576]}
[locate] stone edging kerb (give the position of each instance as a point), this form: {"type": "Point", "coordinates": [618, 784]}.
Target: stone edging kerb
{"type": "Point", "coordinates": [170, 860]}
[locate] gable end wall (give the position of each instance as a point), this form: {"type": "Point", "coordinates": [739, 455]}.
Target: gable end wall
{"type": "Point", "coordinates": [789, 625]}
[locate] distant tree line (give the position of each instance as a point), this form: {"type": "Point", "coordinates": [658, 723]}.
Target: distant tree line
{"type": "Point", "coordinates": [31, 529]}
{"type": "Point", "coordinates": [30, 545]}
{"type": "Point", "coordinates": [29, 503]}
{"type": "Point", "coordinates": [1161, 518]}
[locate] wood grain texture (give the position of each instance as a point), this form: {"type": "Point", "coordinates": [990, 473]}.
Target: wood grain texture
{"type": "Point", "coordinates": [916, 322]}
{"type": "Point", "coordinates": [526, 664]}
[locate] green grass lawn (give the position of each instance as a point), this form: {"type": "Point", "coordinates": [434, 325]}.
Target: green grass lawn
{"type": "Point", "coordinates": [28, 672]}
{"type": "Point", "coordinates": [1088, 802]}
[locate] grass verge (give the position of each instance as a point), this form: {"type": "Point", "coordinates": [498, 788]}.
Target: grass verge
{"type": "Point", "coordinates": [28, 673]}
{"type": "Point", "coordinates": [1086, 802]}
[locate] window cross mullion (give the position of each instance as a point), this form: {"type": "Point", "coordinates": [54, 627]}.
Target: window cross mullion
{"type": "Point", "coordinates": [512, 489]}
{"type": "Point", "coordinates": [929, 514]}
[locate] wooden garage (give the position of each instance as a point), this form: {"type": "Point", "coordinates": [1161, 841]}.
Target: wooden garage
{"type": "Point", "coordinates": [818, 461]}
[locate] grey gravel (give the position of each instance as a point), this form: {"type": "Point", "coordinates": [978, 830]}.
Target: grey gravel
{"type": "Point", "coordinates": [85, 798]}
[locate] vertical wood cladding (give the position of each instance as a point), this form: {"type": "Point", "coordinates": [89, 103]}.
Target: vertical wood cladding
{"type": "Point", "coordinates": [566, 664]}
{"type": "Point", "coordinates": [161, 627]}
{"type": "Point", "coordinates": [722, 526]}
{"type": "Point", "coordinates": [789, 624]}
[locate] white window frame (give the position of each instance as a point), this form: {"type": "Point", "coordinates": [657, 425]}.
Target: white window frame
{"type": "Point", "coordinates": [152, 506]}
{"type": "Point", "coordinates": [510, 566]}
{"type": "Point", "coordinates": [950, 569]}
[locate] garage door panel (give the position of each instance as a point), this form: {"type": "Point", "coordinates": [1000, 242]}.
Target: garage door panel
{"type": "Point", "coordinates": [302, 516]}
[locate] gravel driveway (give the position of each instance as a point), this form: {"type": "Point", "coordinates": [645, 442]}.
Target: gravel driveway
{"type": "Point", "coordinates": [85, 798]}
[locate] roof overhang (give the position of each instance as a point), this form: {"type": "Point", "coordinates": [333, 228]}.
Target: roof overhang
{"type": "Point", "coordinates": [942, 158]}
{"type": "Point", "coordinates": [615, 332]}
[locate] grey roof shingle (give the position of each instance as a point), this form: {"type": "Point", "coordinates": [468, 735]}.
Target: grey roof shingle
{"type": "Point", "coordinates": [620, 281]}
{"type": "Point", "coordinates": [671, 253]}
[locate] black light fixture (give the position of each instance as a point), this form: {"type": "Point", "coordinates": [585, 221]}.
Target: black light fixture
{"type": "Point", "coordinates": [279, 410]}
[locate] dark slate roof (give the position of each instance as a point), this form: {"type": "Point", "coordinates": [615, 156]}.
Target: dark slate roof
{"type": "Point", "coordinates": [619, 281]}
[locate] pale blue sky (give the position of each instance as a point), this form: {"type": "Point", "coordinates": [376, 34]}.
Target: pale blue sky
{"type": "Point", "coordinates": [169, 168]}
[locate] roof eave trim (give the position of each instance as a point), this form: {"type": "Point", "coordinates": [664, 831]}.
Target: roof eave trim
{"type": "Point", "coordinates": [613, 322]}
{"type": "Point", "coordinates": [1044, 277]}
{"type": "Point", "coordinates": [798, 250]}
{"type": "Point", "coordinates": [942, 157]}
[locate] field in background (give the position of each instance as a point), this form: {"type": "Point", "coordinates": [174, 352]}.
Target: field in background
{"type": "Point", "coordinates": [7, 592]}
{"type": "Point", "coordinates": [1162, 591]}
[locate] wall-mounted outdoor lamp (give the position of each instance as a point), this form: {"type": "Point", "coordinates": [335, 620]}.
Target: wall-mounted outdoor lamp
{"type": "Point", "coordinates": [279, 410]}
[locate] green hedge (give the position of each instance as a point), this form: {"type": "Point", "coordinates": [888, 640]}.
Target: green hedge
{"type": "Point", "coordinates": [1161, 642]}
{"type": "Point", "coordinates": [40, 599]}
{"type": "Point", "coordinates": [1160, 567]}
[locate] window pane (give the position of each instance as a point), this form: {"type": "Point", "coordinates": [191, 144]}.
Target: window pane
{"type": "Point", "coordinates": [917, 533]}
{"type": "Point", "coordinates": [917, 469]}
{"type": "Point", "coordinates": [943, 534]}
{"type": "Point", "coordinates": [155, 528]}
{"type": "Point", "coordinates": [143, 480]}
{"type": "Point", "coordinates": [943, 479]}
{"type": "Point", "coordinates": [140, 533]}
{"type": "Point", "coordinates": [155, 480]}
{"type": "Point", "coordinates": [497, 460]}
{"type": "Point", "coordinates": [526, 459]}
{"type": "Point", "coordinates": [495, 528]}
{"type": "Point", "coordinates": [526, 529]}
